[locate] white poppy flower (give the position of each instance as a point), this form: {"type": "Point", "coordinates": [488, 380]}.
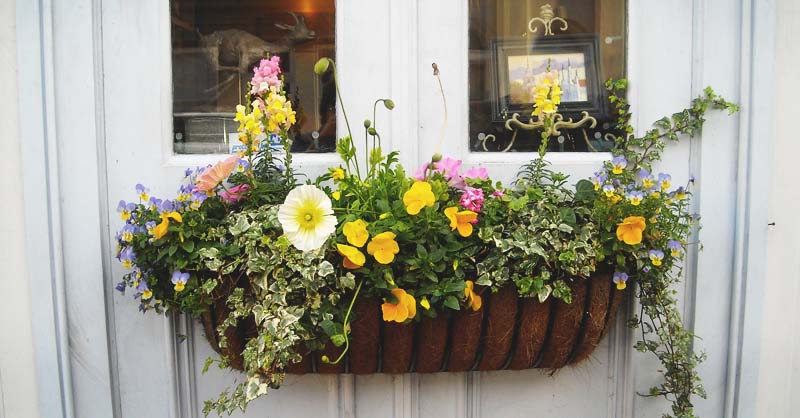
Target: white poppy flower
{"type": "Point", "coordinates": [307, 217]}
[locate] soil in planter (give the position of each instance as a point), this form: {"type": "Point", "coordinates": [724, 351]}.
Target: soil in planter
{"type": "Point", "coordinates": [566, 327]}
{"type": "Point", "coordinates": [333, 352]}
{"type": "Point", "coordinates": [534, 319]}
{"type": "Point", "coordinates": [365, 332]}
{"type": "Point", "coordinates": [500, 321]}
{"type": "Point", "coordinates": [465, 339]}
{"type": "Point", "coordinates": [595, 321]}
{"type": "Point", "coordinates": [431, 344]}
{"type": "Point", "coordinates": [398, 347]}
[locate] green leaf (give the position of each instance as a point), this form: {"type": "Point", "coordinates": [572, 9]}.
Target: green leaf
{"type": "Point", "coordinates": [207, 364]}
{"type": "Point", "coordinates": [209, 286]}
{"type": "Point", "coordinates": [422, 253]}
{"type": "Point", "coordinates": [188, 246]}
{"type": "Point", "coordinates": [568, 216]}
{"type": "Point", "coordinates": [337, 340]}
{"type": "Point", "coordinates": [452, 303]}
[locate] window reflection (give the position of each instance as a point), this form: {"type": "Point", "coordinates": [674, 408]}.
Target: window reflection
{"type": "Point", "coordinates": [216, 44]}
{"type": "Point", "coordinates": [513, 43]}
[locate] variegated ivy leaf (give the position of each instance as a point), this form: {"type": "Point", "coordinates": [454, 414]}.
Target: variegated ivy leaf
{"type": "Point", "coordinates": [255, 388]}
{"type": "Point", "coordinates": [240, 226]}
{"type": "Point", "coordinates": [348, 281]}
{"type": "Point", "coordinates": [325, 268]}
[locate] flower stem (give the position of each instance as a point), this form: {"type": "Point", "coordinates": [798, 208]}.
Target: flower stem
{"type": "Point", "coordinates": [344, 327]}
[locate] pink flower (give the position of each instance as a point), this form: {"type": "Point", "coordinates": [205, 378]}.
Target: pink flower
{"type": "Point", "coordinates": [498, 193]}
{"type": "Point", "coordinates": [266, 75]}
{"type": "Point", "coordinates": [421, 172]}
{"type": "Point", "coordinates": [449, 167]}
{"type": "Point", "coordinates": [477, 173]}
{"type": "Point", "coordinates": [235, 193]}
{"type": "Point", "coordinates": [472, 199]}
{"type": "Point", "coordinates": [213, 176]}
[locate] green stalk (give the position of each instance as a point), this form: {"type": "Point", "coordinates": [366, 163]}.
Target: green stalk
{"type": "Point", "coordinates": [346, 317]}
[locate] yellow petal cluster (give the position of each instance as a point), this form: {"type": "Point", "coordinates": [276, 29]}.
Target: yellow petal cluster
{"type": "Point", "coordinates": [547, 95]}
{"type": "Point", "coordinates": [356, 232]}
{"type": "Point", "coordinates": [337, 174]}
{"type": "Point", "coordinates": [353, 258]}
{"type": "Point", "coordinates": [461, 220]}
{"type": "Point", "coordinates": [161, 229]}
{"type": "Point", "coordinates": [418, 196]}
{"type": "Point", "coordinates": [279, 113]}
{"type": "Point", "coordinates": [405, 308]}
{"type": "Point", "coordinates": [383, 247]}
{"type": "Point", "coordinates": [630, 229]}
{"type": "Point", "coordinates": [474, 300]}
{"type": "Point", "coordinates": [249, 124]}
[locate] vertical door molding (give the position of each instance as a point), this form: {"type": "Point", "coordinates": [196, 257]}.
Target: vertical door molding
{"type": "Point", "coordinates": [756, 61]}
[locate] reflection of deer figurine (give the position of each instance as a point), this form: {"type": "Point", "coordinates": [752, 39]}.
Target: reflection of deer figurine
{"type": "Point", "coordinates": [238, 49]}
{"type": "Point", "coordinates": [298, 32]}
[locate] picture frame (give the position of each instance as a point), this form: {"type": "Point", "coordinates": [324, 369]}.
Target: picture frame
{"type": "Point", "coordinates": [518, 63]}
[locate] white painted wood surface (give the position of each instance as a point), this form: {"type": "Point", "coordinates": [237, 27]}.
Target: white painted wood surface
{"type": "Point", "coordinates": [779, 380]}
{"type": "Point", "coordinates": [105, 116]}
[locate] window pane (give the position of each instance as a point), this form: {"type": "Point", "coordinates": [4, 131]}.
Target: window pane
{"type": "Point", "coordinates": [512, 43]}
{"type": "Point", "coordinates": [216, 44]}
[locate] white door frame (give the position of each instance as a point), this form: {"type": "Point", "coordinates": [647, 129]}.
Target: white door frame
{"type": "Point", "coordinates": [62, 111]}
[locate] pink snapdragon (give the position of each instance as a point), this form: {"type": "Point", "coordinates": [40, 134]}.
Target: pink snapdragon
{"type": "Point", "coordinates": [472, 199]}
{"type": "Point", "coordinates": [266, 75]}
{"type": "Point", "coordinates": [235, 193]}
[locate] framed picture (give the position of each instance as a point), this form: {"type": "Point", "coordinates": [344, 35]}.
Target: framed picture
{"type": "Point", "coordinates": [519, 65]}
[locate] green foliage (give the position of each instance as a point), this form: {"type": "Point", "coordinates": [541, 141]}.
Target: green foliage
{"type": "Point", "coordinates": [611, 195]}
{"type": "Point", "coordinates": [293, 297]}
{"type": "Point", "coordinates": [542, 240]}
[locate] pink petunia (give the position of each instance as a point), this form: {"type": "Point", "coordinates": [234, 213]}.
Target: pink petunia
{"type": "Point", "coordinates": [477, 173]}
{"type": "Point", "coordinates": [235, 193]}
{"type": "Point", "coordinates": [215, 175]}
{"type": "Point", "coordinates": [421, 172]}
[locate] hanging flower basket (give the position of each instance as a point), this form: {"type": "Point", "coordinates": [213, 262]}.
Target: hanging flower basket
{"type": "Point", "coordinates": [508, 332]}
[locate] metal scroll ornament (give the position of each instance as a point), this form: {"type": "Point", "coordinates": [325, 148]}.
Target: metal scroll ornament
{"type": "Point", "coordinates": [546, 17]}
{"type": "Point", "coordinates": [514, 124]}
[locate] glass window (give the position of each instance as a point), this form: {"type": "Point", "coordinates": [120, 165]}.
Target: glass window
{"type": "Point", "coordinates": [216, 44]}
{"type": "Point", "coordinates": [512, 43]}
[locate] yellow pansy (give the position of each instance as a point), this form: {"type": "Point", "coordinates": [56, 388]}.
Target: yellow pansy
{"type": "Point", "coordinates": [353, 258]}
{"type": "Point", "coordinates": [461, 220]}
{"type": "Point", "coordinates": [630, 230]}
{"type": "Point", "coordinates": [383, 247]}
{"type": "Point", "coordinates": [474, 300]}
{"type": "Point", "coordinates": [405, 308]}
{"type": "Point", "coordinates": [161, 229]}
{"type": "Point", "coordinates": [356, 232]}
{"type": "Point", "coordinates": [418, 196]}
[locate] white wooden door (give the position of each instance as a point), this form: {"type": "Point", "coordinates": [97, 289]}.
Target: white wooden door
{"type": "Point", "coordinates": [385, 49]}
